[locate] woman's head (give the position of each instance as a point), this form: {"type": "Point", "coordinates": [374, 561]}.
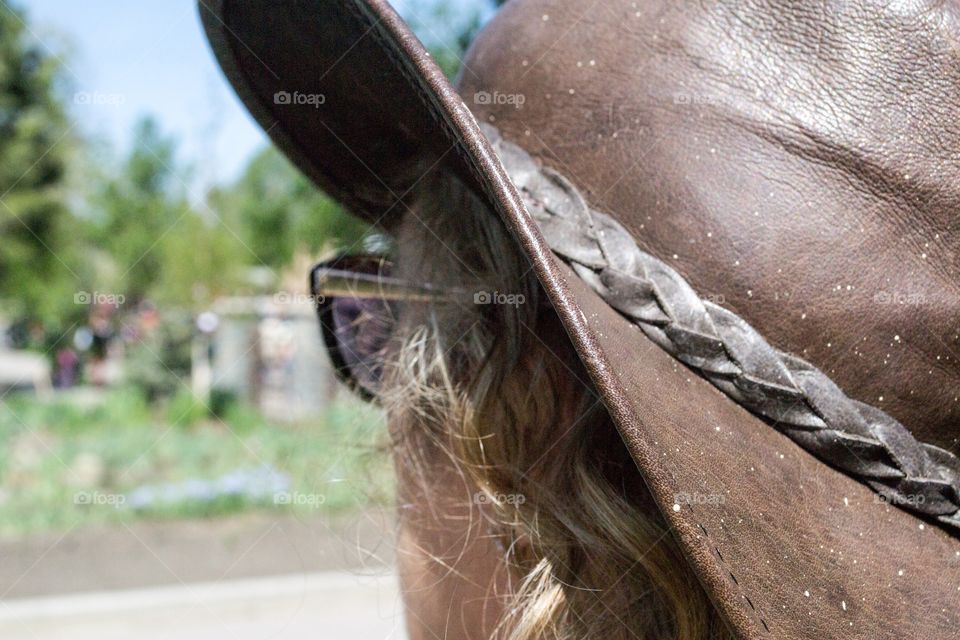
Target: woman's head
{"type": "Point", "coordinates": [782, 223]}
{"type": "Point", "coordinates": [522, 514]}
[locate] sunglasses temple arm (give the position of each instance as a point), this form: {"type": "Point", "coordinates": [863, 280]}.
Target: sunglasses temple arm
{"type": "Point", "coordinates": [334, 282]}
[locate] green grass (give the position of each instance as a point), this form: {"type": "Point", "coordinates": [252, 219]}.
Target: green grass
{"type": "Point", "coordinates": [65, 463]}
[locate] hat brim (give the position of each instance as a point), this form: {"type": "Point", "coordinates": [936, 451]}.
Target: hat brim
{"type": "Point", "coordinates": [785, 546]}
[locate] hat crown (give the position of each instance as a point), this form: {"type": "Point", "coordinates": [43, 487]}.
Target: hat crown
{"type": "Point", "coordinates": [786, 175]}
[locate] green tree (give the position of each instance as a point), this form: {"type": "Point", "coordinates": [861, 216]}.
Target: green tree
{"type": "Point", "coordinates": [36, 229]}
{"type": "Point", "coordinates": [277, 212]}
{"type": "Point", "coordinates": [154, 243]}
{"type": "Point", "coordinates": [135, 210]}
{"type": "Point", "coordinates": [201, 259]}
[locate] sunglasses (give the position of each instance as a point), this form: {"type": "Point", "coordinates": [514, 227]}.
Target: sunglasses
{"type": "Point", "coordinates": [356, 300]}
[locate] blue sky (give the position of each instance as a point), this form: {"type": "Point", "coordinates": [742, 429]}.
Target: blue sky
{"type": "Point", "coordinates": [126, 59]}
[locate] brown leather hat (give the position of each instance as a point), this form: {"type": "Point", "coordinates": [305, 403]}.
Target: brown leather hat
{"type": "Point", "coordinates": [745, 218]}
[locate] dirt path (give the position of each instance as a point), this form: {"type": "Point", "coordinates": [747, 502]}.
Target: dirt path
{"type": "Point", "coordinates": [182, 552]}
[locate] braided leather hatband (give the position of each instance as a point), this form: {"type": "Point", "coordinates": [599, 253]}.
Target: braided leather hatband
{"type": "Point", "coordinates": [792, 394]}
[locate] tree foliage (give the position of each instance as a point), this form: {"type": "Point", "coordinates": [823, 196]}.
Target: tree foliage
{"type": "Point", "coordinates": [132, 228]}
{"type": "Point", "coordinates": [277, 213]}
{"type": "Point", "coordinates": [35, 139]}
{"type": "Point", "coordinates": [134, 212]}
{"type": "Point", "coordinates": [157, 244]}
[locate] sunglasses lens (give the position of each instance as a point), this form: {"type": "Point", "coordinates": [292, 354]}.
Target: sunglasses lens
{"type": "Point", "coordinates": [362, 328]}
{"type": "Point", "coordinates": [357, 328]}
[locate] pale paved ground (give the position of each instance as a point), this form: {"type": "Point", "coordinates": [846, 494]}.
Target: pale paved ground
{"type": "Point", "coordinates": [153, 554]}
{"type": "Point", "coordinates": [326, 606]}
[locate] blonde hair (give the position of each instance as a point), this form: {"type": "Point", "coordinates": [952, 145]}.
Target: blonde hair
{"type": "Point", "coordinates": [497, 392]}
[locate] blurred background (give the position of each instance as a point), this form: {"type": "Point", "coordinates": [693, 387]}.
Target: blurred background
{"type": "Point", "coordinates": [175, 456]}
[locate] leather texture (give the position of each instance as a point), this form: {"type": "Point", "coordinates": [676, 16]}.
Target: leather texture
{"type": "Point", "coordinates": [794, 161]}
{"type": "Point", "coordinates": [794, 395]}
